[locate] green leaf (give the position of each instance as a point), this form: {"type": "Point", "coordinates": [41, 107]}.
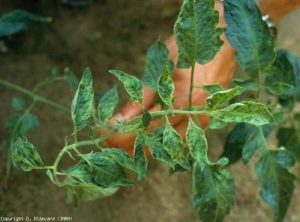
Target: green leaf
{"type": "Point", "coordinates": [213, 191]}
{"type": "Point", "coordinates": [196, 141]}
{"type": "Point", "coordinates": [18, 104]}
{"type": "Point", "coordinates": [107, 105]}
{"type": "Point", "coordinates": [132, 85]}
{"type": "Point", "coordinates": [246, 111]}
{"type": "Point", "coordinates": [85, 191]}
{"type": "Point", "coordinates": [100, 170]}
{"type": "Point", "coordinates": [215, 123]}
{"type": "Point", "coordinates": [211, 89]}
{"type": "Point", "coordinates": [172, 142]}
{"type": "Point", "coordinates": [121, 157]}
{"type": "Point", "coordinates": [251, 145]}
{"type": "Point", "coordinates": [71, 79]}
{"type": "Point", "coordinates": [146, 120]}
{"type": "Point", "coordinates": [178, 168]}
{"type": "Point", "coordinates": [157, 59]}
{"type": "Point", "coordinates": [276, 182]}
{"type": "Point", "coordinates": [196, 35]}
{"type": "Point", "coordinates": [82, 104]}
{"type": "Point", "coordinates": [250, 36]}
{"type": "Point", "coordinates": [165, 87]}
{"type": "Point", "coordinates": [17, 20]}
{"type": "Point", "coordinates": [25, 156]}
{"type": "Point", "coordinates": [289, 138]}
{"type": "Point", "coordinates": [282, 83]}
{"type": "Point", "coordinates": [157, 149]}
{"type": "Point", "coordinates": [247, 84]}
{"type": "Point", "coordinates": [295, 62]}
{"type": "Point", "coordinates": [140, 160]}
{"type": "Point", "coordinates": [215, 100]}
{"type": "Point", "coordinates": [18, 125]}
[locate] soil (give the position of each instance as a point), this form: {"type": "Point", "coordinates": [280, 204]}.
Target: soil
{"type": "Point", "coordinates": [107, 35]}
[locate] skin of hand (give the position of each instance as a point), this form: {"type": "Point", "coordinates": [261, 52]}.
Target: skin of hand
{"type": "Point", "coordinates": [220, 70]}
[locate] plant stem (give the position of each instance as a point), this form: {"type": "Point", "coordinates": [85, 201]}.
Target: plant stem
{"type": "Point", "coordinates": [34, 96]}
{"type": "Point", "coordinates": [48, 80]}
{"type": "Point", "coordinates": [191, 86]}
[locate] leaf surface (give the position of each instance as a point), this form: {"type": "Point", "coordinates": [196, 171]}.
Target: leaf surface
{"type": "Point", "coordinates": [140, 159]}
{"type": "Point", "coordinates": [107, 105]}
{"type": "Point", "coordinates": [165, 87]}
{"type": "Point", "coordinates": [289, 138]}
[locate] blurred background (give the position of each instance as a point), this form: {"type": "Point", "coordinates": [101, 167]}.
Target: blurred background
{"type": "Point", "coordinates": [104, 35]}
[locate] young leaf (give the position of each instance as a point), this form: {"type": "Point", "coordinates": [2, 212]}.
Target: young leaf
{"type": "Point", "coordinates": [173, 144]}
{"type": "Point", "coordinates": [276, 182]}
{"type": "Point", "coordinates": [107, 105]}
{"type": "Point", "coordinates": [211, 89]}
{"type": "Point", "coordinates": [246, 111]}
{"type": "Point", "coordinates": [132, 85]}
{"type": "Point", "coordinates": [140, 160]}
{"type": "Point", "coordinates": [282, 83]}
{"type": "Point", "coordinates": [17, 20]}
{"type": "Point", "coordinates": [101, 170]}
{"type": "Point", "coordinates": [289, 138]}
{"type": "Point", "coordinates": [25, 155]}
{"type": "Point", "coordinates": [157, 59]}
{"type": "Point", "coordinates": [220, 97]}
{"type": "Point", "coordinates": [71, 79]}
{"type": "Point", "coordinates": [213, 191]}
{"type": "Point", "coordinates": [18, 104]}
{"type": "Point", "coordinates": [146, 120]}
{"type": "Point", "coordinates": [250, 36]}
{"type": "Point", "coordinates": [247, 84]}
{"type": "Point", "coordinates": [82, 104]}
{"type": "Point", "coordinates": [165, 87]}
{"type": "Point", "coordinates": [251, 146]}
{"type": "Point", "coordinates": [121, 157]}
{"type": "Point", "coordinates": [196, 35]}
{"type": "Point", "coordinates": [157, 149]}
{"type": "Point", "coordinates": [196, 141]}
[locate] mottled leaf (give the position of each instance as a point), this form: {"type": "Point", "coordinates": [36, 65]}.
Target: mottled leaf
{"type": "Point", "coordinates": [289, 138]}
{"type": "Point", "coordinates": [157, 149]}
{"type": "Point", "coordinates": [247, 84]}
{"type": "Point", "coordinates": [140, 160]}
{"type": "Point", "coordinates": [25, 155]}
{"type": "Point", "coordinates": [146, 120]}
{"type": "Point", "coordinates": [132, 85]}
{"type": "Point", "coordinates": [82, 104]}
{"type": "Point", "coordinates": [215, 123]}
{"type": "Point", "coordinates": [121, 157]}
{"type": "Point", "coordinates": [165, 87]}
{"type": "Point", "coordinates": [107, 105]}
{"type": "Point", "coordinates": [157, 59]}
{"type": "Point", "coordinates": [196, 35]}
{"type": "Point", "coordinates": [18, 104]}
{"type": "Point", "coordinates": [213, 191]}
{"type": "Point", "coordinates": [172, 142]}
{"type": "Point", "coordinates": [215, 100]}
{"type": "Point", "coordinates": [16, 20]}
{"type": "Point", "coordinates": [196, 141]}
{"type": "Point", "coordinates": [276, 182]}
{"type": "Point", "coordinates": [250, 36]}
{"type": "Point", "coordinates": [251, 145]}
{"type": "Point", "coordinates": [246, 111]}
{"type": "Point", "coordinates": [211, 89]}
{"type": "Point", "coordinates": [178, 168]}
{"type": "Point", "coordinates": [295, 62]}
{"type": "Point", "coordinates": [71, 78]}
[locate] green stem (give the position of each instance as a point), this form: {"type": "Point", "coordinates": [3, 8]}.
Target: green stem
{"type": "Point", "coordinates": [191, 86]}
{"type": "Point", "coordinates": [48, 80]}
{"type": "Point", "coordinates": [34, 96]}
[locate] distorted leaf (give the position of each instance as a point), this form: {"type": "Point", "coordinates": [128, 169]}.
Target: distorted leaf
{"type": "Point", "coordinates": [140, 159]}
{"type": "Point", "coordinates": [16, 20]}
{"type": "Point", "coordinates": [247, 84]}
{"type": "Point", "coordinates": [132, 85]}
{"type": "Point", "coordinates": [146, 120]}
{"type": "Point", "coordinates": [25, 155]}
{"type": "Point", "coordinates": [211, 89]}
{"type": "Point", "coordinates": [165, 87]}
{"type": "Point", "coordinates": [289, 138]}
{"type": "Point", "coordinates": [107, 105]}
{"type": "Point", "coordinates": [71, 79]}
{"type": "Point", "coordinates": [18, 104]}
{"type": "Point", "coordinates": [82, 104]}
{"type": "Point", "coordinates": [213, 191]}
{"type": "Point", "coordinates": [157, 60]}
{"type": "Point", "coordinates": [276, 182]}
{"type": "Point", "coordinates": [196, 141]}
{"type": "Point", "coordinates": [196, 34]}
{"type": "Point", "coordinates": [215, 100]}
{"type": "Point", "coordinates": [246, 111]}
{"type": "Point", "coordinates": [172, 142]}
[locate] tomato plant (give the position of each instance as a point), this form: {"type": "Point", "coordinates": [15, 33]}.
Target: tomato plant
{"type": "Point", "coordinates": [100, 173]}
